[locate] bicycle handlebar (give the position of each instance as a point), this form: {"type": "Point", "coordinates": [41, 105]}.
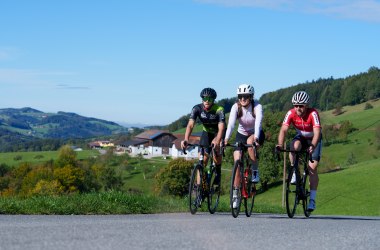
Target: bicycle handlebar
{"type": "Point", "coordinates": [277, 151]}
{"type": "Point", "coordinates": [240, 144]}
{"type": "Point", "coordinates": [198, 145]}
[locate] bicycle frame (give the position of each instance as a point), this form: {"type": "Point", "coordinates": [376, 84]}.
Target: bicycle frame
{"type": "Point", "coordinates": [301, 192]}
{"type": "Point", "coordinates": [246, 189]}
{"type": "Point", "coordinates": [245, 169]}
{"type": "Point", "coordinates": [204, 181]}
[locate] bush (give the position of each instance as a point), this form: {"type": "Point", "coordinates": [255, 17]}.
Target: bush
{"type": "Point", "coordinates": [44, 187]}
{"type": "Point", "coordinates": [71, 178]}
{"type": "Point", "coordinates": [107, 177]}
{"type": "Point", "coordinates": [368, 106]}
{"type": "Point", "coordinates": [174, 179]}
{"type": "Point", "coordinates": [17, 158]}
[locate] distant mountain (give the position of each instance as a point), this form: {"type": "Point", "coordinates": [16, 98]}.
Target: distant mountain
{"type": "Point", "coordinates": [27, 122]}
{"type": "Point", "coordinates": [133, 125]}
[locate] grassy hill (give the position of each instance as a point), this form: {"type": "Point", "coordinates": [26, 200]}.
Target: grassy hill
{"type": "Point", "coordinates": [361, 143]}
{"type": "Point", "coordinates": [353, 190]}
{"type": "Point", "coordinates": [32, 123]}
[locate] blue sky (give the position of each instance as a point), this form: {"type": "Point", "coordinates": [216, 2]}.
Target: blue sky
{"type": "Point", "coordinates": [145, 61]}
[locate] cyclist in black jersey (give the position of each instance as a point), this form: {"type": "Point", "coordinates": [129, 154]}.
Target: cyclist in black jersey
{"type": "Point", "coordinates": [212, 117]}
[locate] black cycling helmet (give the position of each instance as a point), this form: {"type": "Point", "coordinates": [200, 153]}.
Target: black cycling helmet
{"type": "Point", "coordinates": [208, 92]}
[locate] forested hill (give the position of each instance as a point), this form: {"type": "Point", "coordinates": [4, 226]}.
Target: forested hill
{"type": "Point", "coordinates": [37, 124]}
{"type": "Point", "coordinates": [327, 94]}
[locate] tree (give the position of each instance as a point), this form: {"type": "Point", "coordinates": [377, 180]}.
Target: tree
{"type": "Point", "coordinates": [174, 179]}
{"type": "Point", "coordinates": [66, 157]}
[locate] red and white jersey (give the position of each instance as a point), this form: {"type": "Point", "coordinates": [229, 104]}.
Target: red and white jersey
{"type": "Point", "coordinates": [304, 125]}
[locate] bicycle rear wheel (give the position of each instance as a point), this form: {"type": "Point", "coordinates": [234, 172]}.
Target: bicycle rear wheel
{"type": "Point", "coordinates": [236, 172]}
{"type": "Point", "coordinates": [291, 194]}
{"type": "Point", "coordinates": [195, 190]}
{"type": "Point", "coordinates": [305, 183]}
{"type": "Point", "coordinates": [214, 192]}
{"type": "Point", "coordinates": [250, 190]}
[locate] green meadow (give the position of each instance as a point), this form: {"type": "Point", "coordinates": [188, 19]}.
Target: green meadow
{"type": "Point", "coordinates": [15, 158]}
{"type": "Point", "coordinates": [348, 186]}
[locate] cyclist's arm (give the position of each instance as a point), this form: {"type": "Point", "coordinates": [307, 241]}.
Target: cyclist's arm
{"type": "Point", "coordinates": [316, 130]}
{"type": "Point", "coordinates": [189, 129]}
{"type": "Point", "coordinates": [282, 134]}
{"type": "Point", "coordinates": [258, 120]}
{"type": "Point", "coordinates": [219, 136]}
{"type": "Point", "coordinates": [316, 137]}
{"type": "Point", "coordinates": [231, 122]}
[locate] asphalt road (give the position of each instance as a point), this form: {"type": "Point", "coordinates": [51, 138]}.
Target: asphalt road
{"type": "Point", "coordinates": [186, 231]}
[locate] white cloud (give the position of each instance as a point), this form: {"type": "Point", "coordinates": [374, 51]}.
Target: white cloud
{"type": "Point", "coordinates": [7, 53]}
{"type": "Point", "coordinates": [28, 77]}
{"type": "Point", "coordinates": [19, 77]}
{"type": "Point", "coordinates": [70, 87]}
{"type": "Point", "coordinates": [364, 10]}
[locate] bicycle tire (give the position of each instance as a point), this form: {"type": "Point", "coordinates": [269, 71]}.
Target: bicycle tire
{"type": "Point", "coordinates": [214, 192]}
{"type": "Point", "coordinates": [235, 211]}
{"type": "Point", "coordinates": [195, 191]}
{"type": "Point", "coordinates": [291, 194]}
{"type": "Point", "coordinates": [250, 188]}
{"type": "Point", "coordinates": [305, 182]}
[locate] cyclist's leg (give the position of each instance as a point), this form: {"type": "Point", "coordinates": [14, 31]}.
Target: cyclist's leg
{"type": "Point", "coordinates": [205, 142]}
{"type": "Point", "coordinates": [296, 144]}
{"type": "Point", "coordinates": [313, 172]}
{"type": "Point", "coordinates": [239, 139]}
{"type": "Point", "coordinates": [237, 177]}
{"type": "Point", "coordinates": [254, 163]}
{"type": "Point", "coordinates": [218, 162]}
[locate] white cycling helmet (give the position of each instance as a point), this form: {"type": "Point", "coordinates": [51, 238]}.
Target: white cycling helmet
{"type": "Point", "coordinates": [300, 97]}
{"type": "Point", "coordinates": [244, 89]}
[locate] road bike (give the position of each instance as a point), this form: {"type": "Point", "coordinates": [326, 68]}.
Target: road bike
{"type": "Point", "coordinates": [246, 190]}
{"type": "Point", "coordinates": [297, 192]}
{"type": "Point", "coordinates": [202, 184]}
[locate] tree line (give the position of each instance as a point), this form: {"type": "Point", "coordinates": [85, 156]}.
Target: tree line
{"type": "Point", "coordinates": [330, 93]}
{"type": "Point", "coordinates": [325, 94]}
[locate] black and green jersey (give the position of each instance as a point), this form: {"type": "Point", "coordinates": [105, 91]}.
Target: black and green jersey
{"type": "Point", "coordinates": [209, 118]}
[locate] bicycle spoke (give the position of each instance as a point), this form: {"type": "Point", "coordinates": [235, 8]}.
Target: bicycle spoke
{"type": "Point", "coordinates": [214, 192]}
{"type": "Point", "coordinates": [305, 184]}
{"type": "Point", "coordinates": [291, 195]}
{"type": "Point", "coordinates": [251, 191]}
{"type": "Point", "coordinates": [195, 190]}
{"type": "Point", "coordinates": [236, 172]}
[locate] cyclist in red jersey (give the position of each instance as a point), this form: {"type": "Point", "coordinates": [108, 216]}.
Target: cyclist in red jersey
{"type": "Point", "coordinates": [309, 136]}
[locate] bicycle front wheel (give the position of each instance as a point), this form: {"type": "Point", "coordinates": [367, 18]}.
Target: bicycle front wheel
{"type": "Point", "coordinates": [214, 192]}
{"type": "Point", "coordinates": [250, 190]}
{"type": "Point", "coordinates": [305, 183]}
{"type": "Point", "coordinates": [291, 194]}
{"type": "Point", "coordinates": [195, 190]}
{"type": "Point", "coordinates": [235, 201]}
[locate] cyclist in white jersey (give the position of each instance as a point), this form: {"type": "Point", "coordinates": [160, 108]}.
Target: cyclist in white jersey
{"type": "Point", "coordinates": [249, 113]}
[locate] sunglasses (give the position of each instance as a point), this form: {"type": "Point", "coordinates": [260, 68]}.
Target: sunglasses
{"type": "Point", "coordinates": [299, 106]}
{"type": "Point", "coordinates": [244, 96]}
{"type": "Point", "coordinates": [208, 99]}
